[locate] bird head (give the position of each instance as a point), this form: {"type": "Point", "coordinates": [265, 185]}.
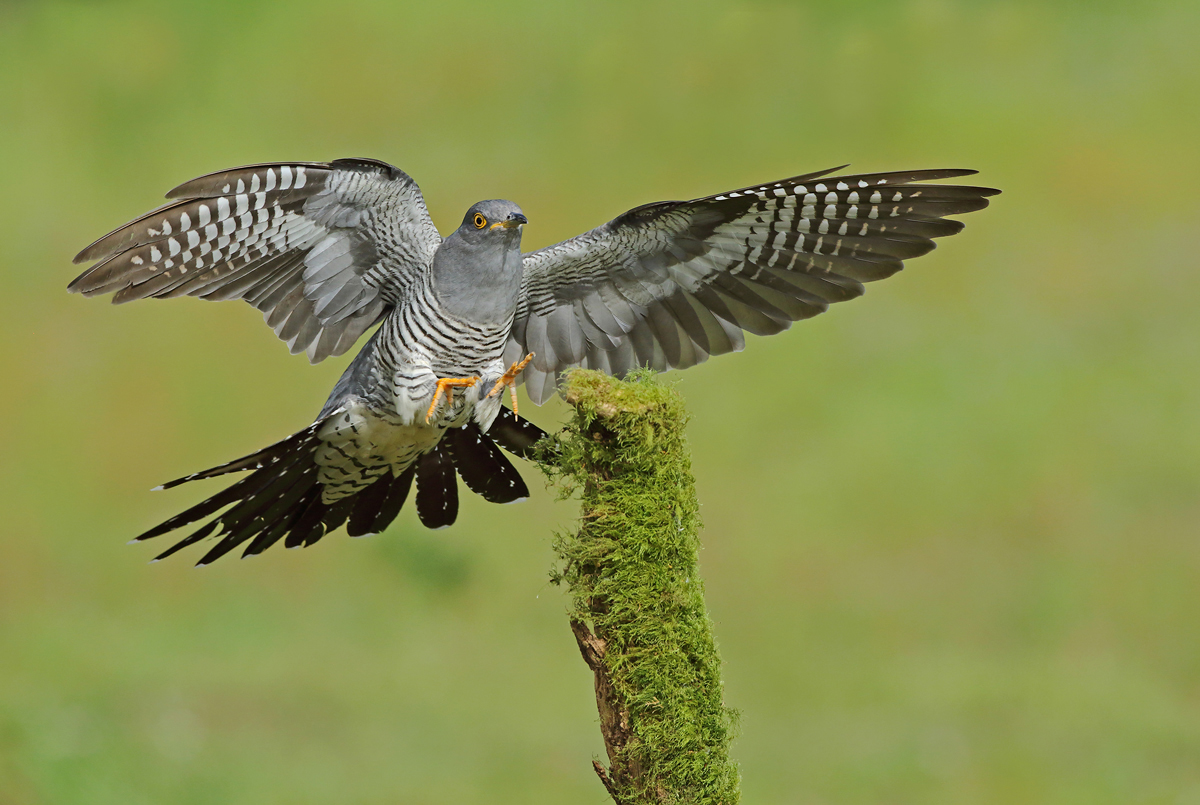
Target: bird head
{"type": "Point", "coordinates": [495, 221]}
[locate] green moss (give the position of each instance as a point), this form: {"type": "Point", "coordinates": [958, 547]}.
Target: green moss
{"type": "Point", "coordinates": [632, 573]}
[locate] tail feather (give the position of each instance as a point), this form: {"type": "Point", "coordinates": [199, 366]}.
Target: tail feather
{"type": "Point", "coordinates": [254, 461]}
{"type": "Point", "coordinates": [309, 527]}
{"type": "Point", "coordinates": [437, 488]}
{"type": "Point", "coordinates": [516, 435]}
{"type": "Point", "coordinates": [266, 539]}
{"type": "Point", "coordinates": [483, 468]}
{"type": "Point", "coordinates": [241, 489]}
{"type": "Point", "coordinates": [197, 535]}
{"type": "Point", "coordinates": [281, 497]}
{"type": "Point", "coordinates": [367, 506]}
{"type": "Point", "coordinates": [397, 495]}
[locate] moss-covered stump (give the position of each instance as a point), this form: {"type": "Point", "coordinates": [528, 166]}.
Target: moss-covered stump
{"type": "Point", "coordinates": [637, 603]}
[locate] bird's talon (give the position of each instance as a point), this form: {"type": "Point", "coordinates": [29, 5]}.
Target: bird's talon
{"type": "Point", "coordinates": [446, 386]}
{"type": "Point", "coordinates": [509, 380]}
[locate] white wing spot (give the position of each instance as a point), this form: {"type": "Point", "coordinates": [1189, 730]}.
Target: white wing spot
{"type": "Point", "coordinates": [820, 188]}
{"type": "Point", "coordinates": [853, 197]}
{"type": "Point", "coordinates": [285, 177]}
{"type": "Point", "coordinates": [137, 261]}
{"type": "Point", "coordinates": [243, 203]}
{"type": "Point", "coordinates": [830, 211]}
{"type": "Point", "coordinates": [270, 180]}
{"type": "Point", "coordinates": [874, 213]}
{"type": "Point", "coordinates": [843, 186]}
{"type": "Point", "coordinates": [824, 227]}
{"type": "Point", "coordinates": [800, 190]}
{"type": "Point", "coordinates": [300, 178]}
{"type": "Point", "coordinates": [172, 246]}
{"type": "Point", "coordinates": [852, 212]}
{"type": "Point", "coordinates": [205, 215]}
{"type": "Point", "coordinates": [779, 191]}
{"type": "Point", "coordinates": [254, 183]}
{"type": "Point", "coordinates": [831, 198]}
{"type": "Point", "coordinates": [876, 197]}
{"type": "Point", "coordinates": [810, 198]}
{"type": "Point", "coordinates": [185, 222]}
{"type": "Point", "coordinates": [166, 227]}
{"type": "Point", "coordinates": [864, 229]}
{"type": "Point", "coordinates": [222, 208]}
{"type": "Point", "coordinates": [241, 186]}
{"type": "Point", "coordinates": [193, 238]}
{"type": "Point", "coordinates": [898, 196]}
{"type": "Point", "coordinates": [844, 228]}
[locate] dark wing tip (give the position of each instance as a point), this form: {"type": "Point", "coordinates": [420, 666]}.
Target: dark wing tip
{"type": "Point", "coordinates": [92, 251]}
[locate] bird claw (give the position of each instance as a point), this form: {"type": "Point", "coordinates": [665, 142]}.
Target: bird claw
{"type": "Point", "coordinates": [509, 380]}
{"type": "Point", "coordinates": [446, 386]}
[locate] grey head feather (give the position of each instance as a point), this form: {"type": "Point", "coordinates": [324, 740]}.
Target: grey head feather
{"type": "Point", "coordinates": [477, 270]}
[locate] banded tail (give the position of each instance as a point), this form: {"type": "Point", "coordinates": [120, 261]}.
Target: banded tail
{"type": "Point", "coordinates": [281, 497]}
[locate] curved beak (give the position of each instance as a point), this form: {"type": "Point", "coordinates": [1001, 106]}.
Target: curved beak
{"type": "Point", "coordinates": [513, 220]}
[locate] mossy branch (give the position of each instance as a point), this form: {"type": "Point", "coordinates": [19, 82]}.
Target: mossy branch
{"type": "Point", "coordinates": [637, 604]}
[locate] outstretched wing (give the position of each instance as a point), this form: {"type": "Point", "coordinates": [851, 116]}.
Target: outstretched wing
{"type": "Point", "coordinates": [322, 249]}
{"type": "Point", "coordinates": [668, 284]}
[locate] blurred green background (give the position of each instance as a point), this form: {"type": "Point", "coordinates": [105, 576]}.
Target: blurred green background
{"type": "Point", "coordinates": [951, 546]}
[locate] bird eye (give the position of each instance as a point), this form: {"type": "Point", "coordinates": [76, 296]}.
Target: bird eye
{"type": "Point", "coordinates": [480, 221]}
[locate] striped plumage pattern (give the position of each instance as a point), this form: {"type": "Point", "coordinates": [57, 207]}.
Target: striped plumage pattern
{"type": "Point", "coordinates": [320, 249]}
{"type": "Point", "coordinates": [327, 250]}
{"type": "Point", "coordinates": [669, 284]}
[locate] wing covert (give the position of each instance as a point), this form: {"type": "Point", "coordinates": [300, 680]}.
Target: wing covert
{"type": "Point", "coordinates": [666, 285]}
{"type": "Point", "coordinates": [322, 249]}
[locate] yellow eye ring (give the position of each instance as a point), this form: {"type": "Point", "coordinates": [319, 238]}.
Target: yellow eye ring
{"type": "Point", "coordinates": [480, 221]}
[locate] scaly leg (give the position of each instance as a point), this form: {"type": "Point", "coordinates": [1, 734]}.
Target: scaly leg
{"type": "Point", "coordinates": [446, 385]}
{"type": "Point", "coordinates": [509, 380]}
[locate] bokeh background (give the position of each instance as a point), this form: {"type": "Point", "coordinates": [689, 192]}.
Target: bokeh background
{"type": "Point", "coordinates": [952, 548]}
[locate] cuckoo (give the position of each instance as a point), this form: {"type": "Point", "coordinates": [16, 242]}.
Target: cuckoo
{"type": "Point", "coordinates": [330, 251]}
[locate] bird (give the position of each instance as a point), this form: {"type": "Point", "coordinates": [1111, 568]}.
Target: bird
{"type": "Point", "coordinates": [329, 251]}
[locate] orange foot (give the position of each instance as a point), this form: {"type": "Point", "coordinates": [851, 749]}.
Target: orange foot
{"type": "Point", "coordinates": [509, 379]}
{"type": "Point", "coordinates": [446, 386]}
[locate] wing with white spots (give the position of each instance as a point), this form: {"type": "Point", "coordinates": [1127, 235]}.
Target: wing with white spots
{"type": "Point", "coordinates": [322, 249]}
{"type": "Point", "coordinates": [668, 284]}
